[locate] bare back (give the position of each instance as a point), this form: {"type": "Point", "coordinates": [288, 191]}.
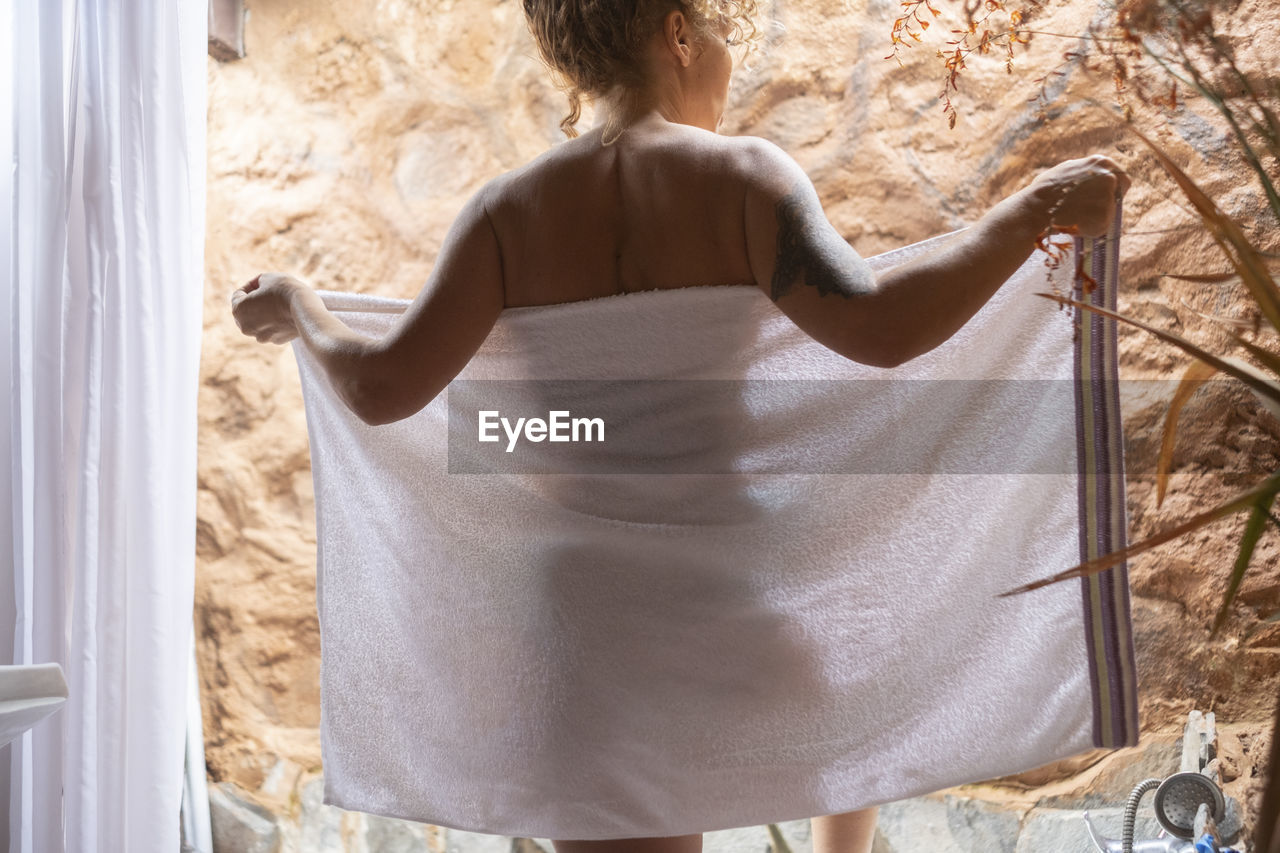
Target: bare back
{"type": "Point", "coordinates": [665, 206]}
{"type": "Point", "coordinates": [662, 207]}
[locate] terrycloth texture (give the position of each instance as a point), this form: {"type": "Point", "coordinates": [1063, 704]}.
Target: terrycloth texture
{"type": "Point", "coordinates": [620, 653]}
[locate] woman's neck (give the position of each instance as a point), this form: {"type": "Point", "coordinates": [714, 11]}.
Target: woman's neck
{"type": "Point", "coordinates": [616, 116]}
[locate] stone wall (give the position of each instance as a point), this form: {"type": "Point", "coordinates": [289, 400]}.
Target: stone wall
{"type": "Point", "coordinates": [345, 141]}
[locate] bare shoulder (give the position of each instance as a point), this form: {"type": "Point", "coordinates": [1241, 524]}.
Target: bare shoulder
{"type": "Point", "coordinates": [777, 198]}
{"type": "Point", "coordinates": [495, 193]}
{"type": "Point", "coordinates": [766, 169]}
{"type": "Point", "coordinates": [524, 183]}
{"type": "Point", "coordinates": [794, 251]}
{"type": "Point", "coordinates": [753, 161]}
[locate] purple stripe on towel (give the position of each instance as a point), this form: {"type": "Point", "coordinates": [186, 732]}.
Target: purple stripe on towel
{"type": "Point", "coordinates": [1083, 511]}
{"type": "Point", "coordinates": [1124, 651]}
{"type": "Point", "coordinates": [1111, 617]}
{"type": "Point", "coordinates": [1103, 466]}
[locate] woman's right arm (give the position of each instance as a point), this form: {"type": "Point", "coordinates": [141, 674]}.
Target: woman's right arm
{"type": "Point", "coordinates": [817, 279]}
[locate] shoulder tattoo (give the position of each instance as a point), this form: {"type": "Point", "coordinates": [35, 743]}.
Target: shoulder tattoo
{"type": "Point", "coordinates": [807, 254]}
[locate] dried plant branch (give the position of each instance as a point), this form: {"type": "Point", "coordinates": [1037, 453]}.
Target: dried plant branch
{"type": "Point", "coordinates": [1197, 374]}
{"type": "Point", "coordinates": [1264, 491]}
{"type": "Point", "coordinates": [1262, 387]}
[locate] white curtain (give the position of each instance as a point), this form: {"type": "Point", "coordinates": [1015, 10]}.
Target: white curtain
{"type": "Point", "coordinates": [101, 256]}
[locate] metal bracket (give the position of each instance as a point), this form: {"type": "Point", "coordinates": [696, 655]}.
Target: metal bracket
{"type": "Point", "coordinates": [226, 30]}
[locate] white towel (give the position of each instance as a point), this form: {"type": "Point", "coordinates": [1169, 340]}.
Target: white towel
{"type": "Point", "coordinates": [768, 594]}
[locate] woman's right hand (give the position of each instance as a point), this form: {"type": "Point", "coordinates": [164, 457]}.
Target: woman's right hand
{"type": "Point", "coordinates": [261, 308]}
{"type": "Point", "coordinates": [1081, 194]}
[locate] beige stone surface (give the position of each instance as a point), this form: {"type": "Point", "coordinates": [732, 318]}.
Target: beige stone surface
{"type": "Point", "coordinates": [341, 147]}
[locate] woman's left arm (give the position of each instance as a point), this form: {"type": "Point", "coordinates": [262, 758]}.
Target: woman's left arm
{"type": "Point", "coordinates": [386, 379]}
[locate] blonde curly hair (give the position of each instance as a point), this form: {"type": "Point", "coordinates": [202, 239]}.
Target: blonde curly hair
{"type": "Point", "coordinates": [594, 47]}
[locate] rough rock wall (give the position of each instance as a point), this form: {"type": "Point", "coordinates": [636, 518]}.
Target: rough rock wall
{"type": "Point", "coordinates": [341, 147]}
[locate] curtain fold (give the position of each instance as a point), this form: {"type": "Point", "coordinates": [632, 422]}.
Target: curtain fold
{"type": "Point", "coordinates": [101, 259]}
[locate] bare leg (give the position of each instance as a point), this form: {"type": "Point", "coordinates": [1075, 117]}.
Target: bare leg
{"type": "Point", "coordinates": [668, 844]}
{"type": "Point", "coordinates": [847, 832]}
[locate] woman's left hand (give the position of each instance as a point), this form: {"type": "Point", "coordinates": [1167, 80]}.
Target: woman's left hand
{"type": "Point", "coordinates": [261, 308]}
